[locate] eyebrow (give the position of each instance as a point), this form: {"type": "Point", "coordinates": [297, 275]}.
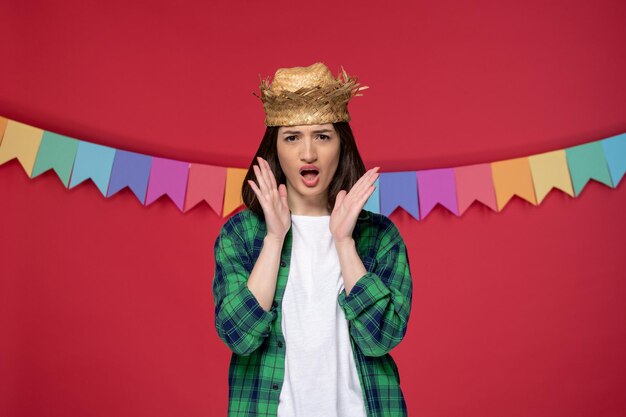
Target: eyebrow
{"type": "Point", "coordinates": [295, 132]}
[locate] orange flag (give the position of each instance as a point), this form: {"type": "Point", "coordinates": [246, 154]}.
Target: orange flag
{"type": "Point", "coordinates": [513, 177]}
{"type": "Point", "coordinates": [232, 191]}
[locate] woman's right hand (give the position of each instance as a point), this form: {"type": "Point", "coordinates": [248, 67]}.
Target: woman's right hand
{"type": "Point", "coordinates": [273, 200]}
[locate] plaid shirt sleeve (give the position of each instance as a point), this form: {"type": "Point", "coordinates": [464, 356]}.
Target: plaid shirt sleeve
{"type": "Point", "coordinates": [240, 320]}
{"type": "Point", "coordinates": [379, 304]}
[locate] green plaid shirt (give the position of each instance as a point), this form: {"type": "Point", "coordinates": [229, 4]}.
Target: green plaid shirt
{"type": "Point", "coordinates": [377, 311]}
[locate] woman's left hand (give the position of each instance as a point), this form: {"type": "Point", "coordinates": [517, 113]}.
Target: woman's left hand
{"type": "Point", "coordinates": [348, 206]}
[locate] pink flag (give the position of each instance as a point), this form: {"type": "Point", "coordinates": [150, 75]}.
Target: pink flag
{"type": "Point", "coordinates": [206, 182]}
{"type": "Point", "coordinates": [436, 186]}
{"type": "Point", "coordinates": [168, 176]}
{"type": "Point", "coordinates": [475, 182]}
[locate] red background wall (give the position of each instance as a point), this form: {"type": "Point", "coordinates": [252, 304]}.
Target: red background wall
{"type": "Point", "coordinates": [106, 305]}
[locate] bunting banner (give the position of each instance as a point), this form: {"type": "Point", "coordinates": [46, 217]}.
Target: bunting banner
{"type": "Point", "coordinates": [187, 184]}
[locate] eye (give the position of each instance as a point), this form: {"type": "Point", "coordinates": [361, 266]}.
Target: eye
{"type": "Point", "coordinates": [325, 136]}
{"type": "Point", "coordinates": [288, 137]}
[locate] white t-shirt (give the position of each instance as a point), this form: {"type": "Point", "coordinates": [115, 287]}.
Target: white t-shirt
{"type": "Point", "coordinates": [321, 378]}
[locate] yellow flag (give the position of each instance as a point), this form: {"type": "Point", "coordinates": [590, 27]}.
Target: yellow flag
{"type": "Point", "coordinates": [3, 125]}
{"type": "Point", "coordinates": [20, 141]}
{"type": "Point", "coordinates": [550, 170]}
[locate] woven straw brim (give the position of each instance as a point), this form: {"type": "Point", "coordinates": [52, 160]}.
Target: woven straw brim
{"type": "Point", "coordinates": [309, 105]}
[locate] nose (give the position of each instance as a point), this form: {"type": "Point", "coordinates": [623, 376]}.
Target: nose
{"type": "Point", "coordinates": [308, 151]}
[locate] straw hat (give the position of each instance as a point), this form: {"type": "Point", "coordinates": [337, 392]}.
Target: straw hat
{"type": "Point", "coordinates": [307, 95]}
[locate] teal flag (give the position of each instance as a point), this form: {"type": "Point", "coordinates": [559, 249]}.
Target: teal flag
{"type": "Point", "coordinates": [587, 162]}
{"type": "Point", "coordinates": [56, 152]}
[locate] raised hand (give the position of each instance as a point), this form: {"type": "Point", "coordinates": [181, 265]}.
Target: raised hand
{"type": "Point", "coordinates": [273, 200]}
{"type": "Point", "coordinates": [348, 205]}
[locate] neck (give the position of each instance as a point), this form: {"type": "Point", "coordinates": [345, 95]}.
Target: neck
{"type": "Point", "coordinates": [314, 205]}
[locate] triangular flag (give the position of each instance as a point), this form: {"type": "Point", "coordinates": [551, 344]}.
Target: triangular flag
{"type": "Point", "coordinates": [373, 202]}
{"type": "Point", "coordinates": [95, 162]}
{"type": "Point", "coordinates": [132, 170]}
{"type": "Point", "coordinates": [168, 176]}
{"type": "Point", "coordinates": [587, 162]}
{"type": "Point", "coordinates": [232, 189]}
{"type": "Point", "coordinates": [398, 189]}
{"type": "Point", "coordinates": [475, 183]}
{"type": "Point", "coordinates": [550, 170]}
{"type": "Point", "coordinates": [20, 141]}
{"type": "Point", "coordinates": [512, 177]}
{"type": "Point", "coordinates": [206, 182]}
{"type": "Point", "coordinates": [3, 126]}
{"type": "Point", "coordinates": [436, 186]}
{"type": "Point", "coordinates": [56, 152]}
{"type": "Point", "coordinates": [615, 155]}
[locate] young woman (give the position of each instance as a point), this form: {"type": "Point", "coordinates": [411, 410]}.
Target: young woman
{"type": "Point", "coordinates": [311, 291]}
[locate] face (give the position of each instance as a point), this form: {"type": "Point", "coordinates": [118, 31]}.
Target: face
{"type": "Point", "coordinates": [317, 145]}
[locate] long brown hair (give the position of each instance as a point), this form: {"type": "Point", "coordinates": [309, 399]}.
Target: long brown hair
{"type": "Point", "coordinates": [349, 170]}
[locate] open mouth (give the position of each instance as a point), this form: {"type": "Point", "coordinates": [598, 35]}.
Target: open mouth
{"type": "Point", "coordinates": [309, 174]}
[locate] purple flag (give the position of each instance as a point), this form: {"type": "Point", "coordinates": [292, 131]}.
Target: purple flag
{"type": "Point", "coordinates": [132, 170]}
{"type": "Point", "coordinates": [437, 186]}
{"type": "Point", "coordinates": [168, 176]}
{"type": "Point", "coordinates": [398, 189]}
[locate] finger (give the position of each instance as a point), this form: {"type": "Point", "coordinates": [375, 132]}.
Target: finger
{"type": "Point", "coordinates": [367, 190]}
{"type": "Point", "coordinates": [259, 177]}
{"type": "Point", "coordinates": [256, 190]}
{"type": "Point", "coordinates": [266, 174]}
{"type": "Point", "coordinates": [260, 197]}
{"type": "Point", "coordinates": [271, 175]}
{"type": "Point", "coordinates": [359, 203]}
{"type": "Point", "coordinates": [367, 195]}
{"type": "Point", "coordinates": [364, 180]}
{"type": "Point", "coordinates": [282, 191]}
{"type": "Point", "coordinates": [339, 198]}
{"type": "Point", "coordinates": [271, 182]}
{"type": "Point", "coordinates": [371, 179]}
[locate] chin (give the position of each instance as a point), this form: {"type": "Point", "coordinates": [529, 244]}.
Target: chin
{"type": "Point", "coordinates": [303, 189]}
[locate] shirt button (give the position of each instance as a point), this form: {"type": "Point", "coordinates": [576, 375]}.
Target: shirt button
{"type": "Point", "coordinates": [283, 263]}
{"type": "Point", "coordinates": [280, 343]}
{"type": "Point", "coordinates": [275, 386]}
